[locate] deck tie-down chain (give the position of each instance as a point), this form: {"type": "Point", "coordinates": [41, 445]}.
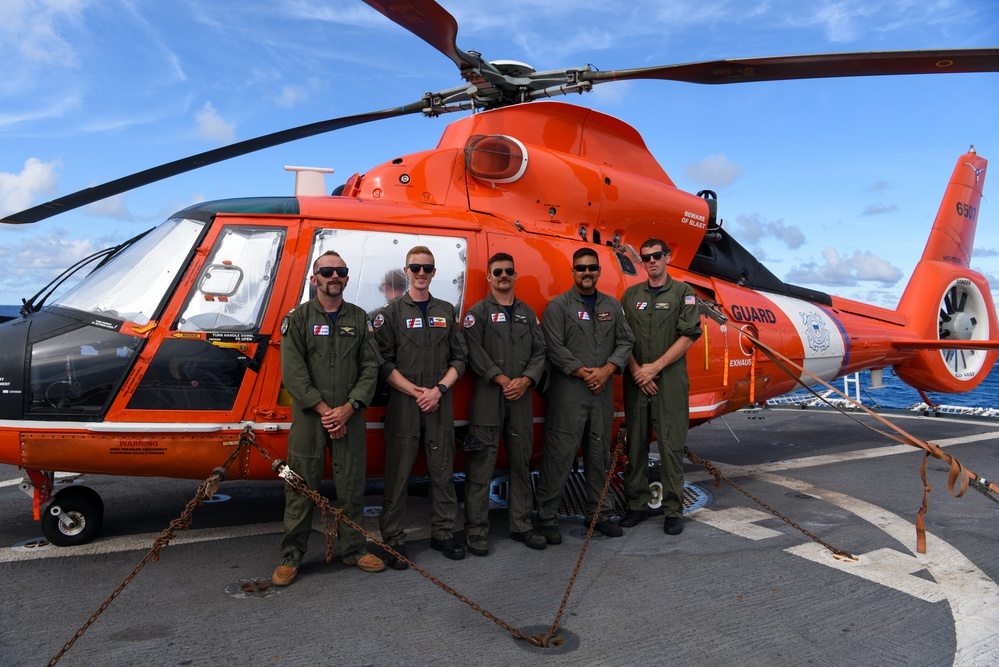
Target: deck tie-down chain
{"type": "Point", "coordinates": [958, 474]}
{"type": "Point", "coordinates": [247, 438]}
{"type": "Point", "coordinates": [183, 522]}
{"type": "Point", "coordinates": [548, 639]}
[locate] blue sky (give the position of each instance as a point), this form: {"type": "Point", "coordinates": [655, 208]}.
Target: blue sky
{"type": "Point", "coordinates": [833, 183]}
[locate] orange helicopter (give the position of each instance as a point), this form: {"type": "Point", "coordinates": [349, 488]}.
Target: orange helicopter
{"type": "Point", "coordinates": [158, 373]}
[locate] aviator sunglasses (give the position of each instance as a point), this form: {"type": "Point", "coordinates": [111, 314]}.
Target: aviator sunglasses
{"type": "Point", "coordinates": [415, 268]}
{"type": "Point", "coordinates": [507, 270]}
{"type": "Point", "coordinates": [583, 268]}
{"type": "Point", "coordinates": [328, 271]}
{"type": "Point", "coordinates": [657, 255]}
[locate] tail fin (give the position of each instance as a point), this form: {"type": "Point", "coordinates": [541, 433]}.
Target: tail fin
{"type": "Point", "coordinates": [945, 300]}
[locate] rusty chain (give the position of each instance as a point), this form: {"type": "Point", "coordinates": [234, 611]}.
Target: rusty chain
{"type": "Point", "coordinates": [183, 522]}
{"type": "Point", "coordinates": [719, 478]}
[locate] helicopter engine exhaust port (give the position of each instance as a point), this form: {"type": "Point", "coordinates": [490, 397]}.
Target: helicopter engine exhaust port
{"type": "Point", "coordinates": [74, 517]}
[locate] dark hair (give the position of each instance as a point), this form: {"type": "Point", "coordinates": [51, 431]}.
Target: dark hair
{"type": "Point", "coordinates": [655, 242]}
{"type": "Point", "coordinates": [328, 253]}
{"type": "Point", "coordinates": [499, 257]}
{"type": "Point", "coordinates": [583, 252]}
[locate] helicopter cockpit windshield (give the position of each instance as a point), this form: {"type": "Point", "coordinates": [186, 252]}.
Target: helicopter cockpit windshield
{"type": "Point", "coordinates": [133, 284]}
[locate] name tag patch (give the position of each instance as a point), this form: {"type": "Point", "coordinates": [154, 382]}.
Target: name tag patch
{"type": "Point", "coordinates": [348, 331]}
{"type": "Point", "coordinates": [520, 318]}
{"type": "Point", "coordinates": [438, 322]}
{"type": "Point", "coordinates": [662, 306]}
{"type": "Point", "coordinates": [606, 316]}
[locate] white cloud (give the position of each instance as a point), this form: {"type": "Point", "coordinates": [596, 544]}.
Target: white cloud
{"type": "Point", "coordinates": [851, 270]}
{"type": "Point", "coordinates": [752, 229]}
{"type": "Point", "coordinates": [112, 207]}
{"type": "Point", "coordinates": [714, 170]}
{"type": "Point", "coordinates": [28, 265]}
{"type": "Point", "coordinates": [212, 127]}
{"type": "Point", "coordinates": [19, 191]}
{"type": "Point", "coordinates": [878, 209]}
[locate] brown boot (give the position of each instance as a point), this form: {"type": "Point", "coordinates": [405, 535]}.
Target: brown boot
{"type": "Point", "coordinates": [284, 575]}
{"type": "Point", "coordinates": [369, 563]}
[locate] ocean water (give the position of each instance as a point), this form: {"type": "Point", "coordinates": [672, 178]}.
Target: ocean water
{"type": "Point", "coordinates": [896, 394]}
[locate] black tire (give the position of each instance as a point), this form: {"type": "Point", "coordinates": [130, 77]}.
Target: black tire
{"type": "Point", "coordinates": [83, 507]}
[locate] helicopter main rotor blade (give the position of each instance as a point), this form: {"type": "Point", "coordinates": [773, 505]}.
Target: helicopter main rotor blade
{"type": "Point", "coordinates": [431, 23]}
{"type": "Point", "coordinates": [816, 66]}
{"type": "Point", "coordinates": [126, 183]}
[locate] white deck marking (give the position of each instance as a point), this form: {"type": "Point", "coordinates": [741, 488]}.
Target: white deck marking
{"type": "Point", "coordinates": [739, 521]}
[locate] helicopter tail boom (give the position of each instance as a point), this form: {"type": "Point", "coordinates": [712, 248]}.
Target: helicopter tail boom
{"type": "Point", "coordinates": [946, 301]}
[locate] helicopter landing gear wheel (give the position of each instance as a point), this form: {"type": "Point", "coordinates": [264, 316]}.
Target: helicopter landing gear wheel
{"type": "Point", "coordinates": [73, 517]}
{"type": "Point", "coordinates": [656, 487]}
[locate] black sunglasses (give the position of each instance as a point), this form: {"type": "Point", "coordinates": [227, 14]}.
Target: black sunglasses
{"type": "Point", "coordinates": [508, 271]}
{"type": "Point", "coordinates": [328, 271]}
{"type": "Point", "coordinates": [583, 268]}
{"type": "Point", "coordinates": [415, 268]}
{"type": "Point", "coordinates": [657, 255]}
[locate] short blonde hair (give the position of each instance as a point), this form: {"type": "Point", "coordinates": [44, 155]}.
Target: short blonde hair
{"type": "Point", "coordinates": [419, 250]}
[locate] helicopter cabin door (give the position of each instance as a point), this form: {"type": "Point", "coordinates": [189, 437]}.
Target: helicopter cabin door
{"type": "Point", "coordinates": [214, 342]}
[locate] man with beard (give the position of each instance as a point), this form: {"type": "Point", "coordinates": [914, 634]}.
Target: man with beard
{"type": "Point", "coordinates": [424, 355]}
{"type": "Point", "coordinates": [506, 350]}
{"type": "Point", "coordinates": [588, 341]}
{"type": "Point", "coordinates": [663, 315]}
{"type": "Point", "coordinates": [329, 364]}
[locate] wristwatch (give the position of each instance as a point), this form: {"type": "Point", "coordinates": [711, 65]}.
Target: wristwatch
{"type": "Point", "coordinates": [442, 388]}
{"type": "Point", "coordinates": [357, 405]}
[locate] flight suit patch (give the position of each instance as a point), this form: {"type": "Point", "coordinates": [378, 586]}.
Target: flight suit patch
{"type": "Point", "coordinates": [690, 300]}
{"type": "Point", "coordinates": [605, 316]}
{"type": "Point", "coordinates": [583, 315]}
{"type": "Point", "coordinates": [469, 321]}
{"type": "Point", "coordinates": [413, 322]}
{"type": "Point", "coordinates": [438, 322]}
{"type": "Point", "coordinates": [348, 331]}
{"type": "Point", "coordinates": [520, 318]}
{"type": "Point", "coordinates": [379, 321]}
{"type": "Point", "coordinates": [320, 330]}
{"type": "Point", "coordinates": [641, 305]}
{"type": "Point", "coordinates": [662, 306]}
{"type": "Point", "coordinates": [285, 324]}
{"type": "Point", "coordinates": [498, 317]}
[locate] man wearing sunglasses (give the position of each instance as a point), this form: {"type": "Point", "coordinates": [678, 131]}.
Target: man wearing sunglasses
{"type": "Point", "coordinates": [424, 355]}
{"type": "Point", "coordinates": [506, 350]}
{"type": "Point", "coordinates": [588, 341]}
{"type": "Point", "coordinates": [329, 365]}
{"type": "Point", "coordinates": [663, 314]}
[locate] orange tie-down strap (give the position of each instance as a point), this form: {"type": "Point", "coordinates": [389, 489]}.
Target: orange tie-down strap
{"type": "Point", "coordinates": [958, 476]}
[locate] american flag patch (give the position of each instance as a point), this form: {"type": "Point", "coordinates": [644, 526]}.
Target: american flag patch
{"type": "Point", "coordinates": [690, 301]}
{"type": "Point", "coordinates": [641, 305]}
{"type": "Point", "coordinates": [414, 323]}
{"type": "Point", "coordinates": [498, 317]}
{"type": "Point", "coordinates": [320, 330]}
{"type": "Point", "coordinates": [583, 314]}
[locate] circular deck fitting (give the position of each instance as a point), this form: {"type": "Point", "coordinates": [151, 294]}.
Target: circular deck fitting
{"type": "Point", "coordinates": [252, 588]}
{"type": "Point", "coordinates": [32, 545]}
{"type": "Point", "coordinates": [563, 641]}
{"type": "Point", "coordinates": [218, 498]}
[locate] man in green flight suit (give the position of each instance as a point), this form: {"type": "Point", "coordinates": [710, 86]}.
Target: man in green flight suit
{"type": "Point", "coordinates": [588, 341]}
{"type": "Point", "coordinates": [506, 350]}
{"type": "Point", "coordinates": [329, 365]}
{"type": "Point", "coordinates": [424, 355]}
{"type": "Point", "coordinates": [663, 315]}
